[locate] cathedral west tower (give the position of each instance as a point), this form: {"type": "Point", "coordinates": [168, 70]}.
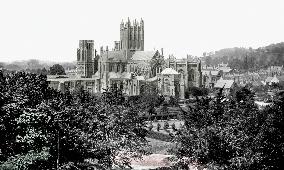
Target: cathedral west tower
{"type": "Point", "coordinates": [85, 58]}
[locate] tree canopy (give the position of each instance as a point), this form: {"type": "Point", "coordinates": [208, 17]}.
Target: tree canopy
{"type": "Point", "coordinates": [42, 128]}
{"type": "Point", "coordinates": [232, 133]}
{"type": "Point", "coordinates": [248, 58]}
{"type": "Point", "coordinates": [57, 69]}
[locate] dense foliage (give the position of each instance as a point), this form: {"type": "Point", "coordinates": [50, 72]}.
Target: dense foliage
{"type": "Point", "coordinates": [243, 58]}
{"type": "Point", "coordinates": [43, 129]}
{"type": "Point", "coordinates": [196, 91]}
{"type": "Point", "coordinates": [57, 69]}
{"type": "Point", "coordinates": [33, 65]}
{"type": "Point", "coordinates": [232, 133]}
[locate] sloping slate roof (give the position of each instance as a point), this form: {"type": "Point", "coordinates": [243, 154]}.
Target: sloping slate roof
{"type": "Point", "coordinates": [113, 75]}
{"type": "Point", "coordinates": [56, 76]}
{"type": "Point", "coordinates": [226, 70]}
{"type": "Point", "coordinates": [124, 75]}
{"type": "Point", "coordinates": [257, 83]}
{"type": "Point", "coordinates": [140, 78]}
{"type": "Point", "coordinates": [114, 55]}
{"type": "Point", "coordinates": [96, 75]}
{"type": "Point", "coordinates": [274, 80]}
{"type": "Point", "coordinates": [224, 83]}
{"type": "Point", "coordinates": [143, 55]}
{"type": "Point", "coordinates": [71, 79]}
{"type": "Point", "coordinates": [280, 78]}
{"type": "Point", "coordinates": [205, 72]}
{"type": "Point", "coordinates": [268, 79]}
{"type": "Point", "coordinates": [169, 71]}
{"type": "Point", "coordinates": [214, 73]}
{"type": "Point", "coordinates": [152, 79]}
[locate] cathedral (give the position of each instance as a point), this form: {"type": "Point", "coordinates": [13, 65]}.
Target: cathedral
{"type": "Point", "coordinates": [128, 67]}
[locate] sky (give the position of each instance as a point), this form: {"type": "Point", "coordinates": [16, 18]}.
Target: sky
{"type": "Point", "coordinates": [51, 29]}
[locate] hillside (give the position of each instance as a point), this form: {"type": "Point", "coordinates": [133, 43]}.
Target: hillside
{"type": "Point", "coordinates": [248, 58]}
{"type": "Point", "coordinates": [34, 64]}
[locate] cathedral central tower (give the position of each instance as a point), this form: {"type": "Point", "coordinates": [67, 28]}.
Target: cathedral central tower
{"type": "Point", "coordinates": [131, 36]}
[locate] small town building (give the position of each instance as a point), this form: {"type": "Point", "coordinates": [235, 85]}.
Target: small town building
{"type": "Point", "coordinates": [227, 85]}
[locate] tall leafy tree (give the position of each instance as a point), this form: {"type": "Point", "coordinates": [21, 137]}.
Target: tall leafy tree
{"type": "Point", "coordinates": [232, 133]}
{"type": "Point", "coordinates": [43, 128]}
{"type": "Point", "coordinates": [57, 69]}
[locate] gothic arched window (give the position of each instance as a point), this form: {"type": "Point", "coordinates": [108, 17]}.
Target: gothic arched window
{"type": "Point", "coordinates": [191, 75]}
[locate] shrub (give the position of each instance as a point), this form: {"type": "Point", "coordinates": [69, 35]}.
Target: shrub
{"type": "Point", "coordinates": [232, 133]}
{"type": "Point", "coordinates": [150, 127]}
{"type": "Point", "coordinates": [166, 125]}
{"type": "Point", "coordinates": [158, 127]}
{"type": "Point", "coordinates": [174, 127]}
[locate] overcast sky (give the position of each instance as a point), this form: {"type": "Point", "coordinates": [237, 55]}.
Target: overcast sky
{"type": "Point", "coordinates": [50, 29]}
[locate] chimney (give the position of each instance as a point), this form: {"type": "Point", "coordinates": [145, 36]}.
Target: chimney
{"type": "Point", "coordinates": [162, 51]}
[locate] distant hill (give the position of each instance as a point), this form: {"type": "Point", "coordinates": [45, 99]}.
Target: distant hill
{"type": "Point", "coordinates": [248, 58]}
{"type": "Point", "coordinates": [34, 64]}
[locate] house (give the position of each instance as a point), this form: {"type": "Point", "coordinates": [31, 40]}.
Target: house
{"type": "Point", "coordinates": [274, 80]}
{"type": "Point", "coordinates": [227, 85]}
{"type": "Point", "coordinates": [268, 80]}
{"type": "Point", "coordinates": [210, 77]}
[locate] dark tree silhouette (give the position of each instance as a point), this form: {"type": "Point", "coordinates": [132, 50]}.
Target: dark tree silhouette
{"type": "Point", "coordinates": [57, 69]}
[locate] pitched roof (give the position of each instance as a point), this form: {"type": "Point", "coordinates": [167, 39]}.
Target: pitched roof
{"type": "Point", "coordinates": [257, 83]}
{"type": "Point", "coordinates": [214, 73]}
{"type": "Point", "coordinates": [268, 79]}
{"type": "Point", "coordinates": [140, 78]}
{"type": "Point", "coordinates": [274, 80]}
{"type": "Point", "coordinates": [114, 55]}
{"type": "Point", "coordinates": [152, 79]}
{"type": "Point", "coordinates": [205, 72]}
{"type": "Point", "coordinates": [281, 78]}
{"type": "Point", "coordinates": [225, 70]}
{"type": "Point", "coordinates": [113, 75]}
{"type": "Point", "coordinates": [224, 83]}
{"type": "Point", "coordinates": [169, 71]}
{"type": "Point", "coordinates": [143, 55]}
{"type": "Point", "coordinates": [124, 75]}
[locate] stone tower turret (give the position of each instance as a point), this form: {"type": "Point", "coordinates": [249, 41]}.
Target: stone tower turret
{"type": "Point", "coordinates": [132, 36]}
{"type": "Point", "coordinates": [85, 56]}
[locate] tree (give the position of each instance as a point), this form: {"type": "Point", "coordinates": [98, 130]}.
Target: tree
{"type": "Point", "coordinates": [57, 69]}
{"type": "Point", "coordinates": [156, 63]}
{"type": "Point", "coordinates": [174, 127]}
{"type": "Point", "coordinates": [158, 127]}
{"type": "Point", "coordinates": [232, 133]}
{"type": "Point", "coordinates": [149, 99]}
{"type": "Point", "coordinates": [44, 128]}
{"type": "Point", "coordinates": [196, 91]}
{"type": "Point", "coordinates": [166, 125]}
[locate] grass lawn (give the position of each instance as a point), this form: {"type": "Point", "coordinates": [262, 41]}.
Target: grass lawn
{"type": "Point", "coordinates": [159, 147]}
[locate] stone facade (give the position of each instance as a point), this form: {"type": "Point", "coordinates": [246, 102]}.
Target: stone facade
{"type": "Point", "coordinates": [131, 36]}
{"type": "Point", "coordinates": [190, 68]}
{"type": "Point", "coordinates": [85, 58]}
{"type": "Point", "coordinates": [129, 67]}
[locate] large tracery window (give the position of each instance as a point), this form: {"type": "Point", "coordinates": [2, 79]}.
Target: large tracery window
{"type": "Point", "coordinates": [191, 75]}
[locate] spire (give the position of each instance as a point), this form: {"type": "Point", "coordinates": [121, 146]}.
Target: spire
{"type": "Point", "coordinates": [122, 24]}
{"type": "Point", "coordinates": [141, 23]}
{"type": "Point", "coordinates": [128, 22]}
